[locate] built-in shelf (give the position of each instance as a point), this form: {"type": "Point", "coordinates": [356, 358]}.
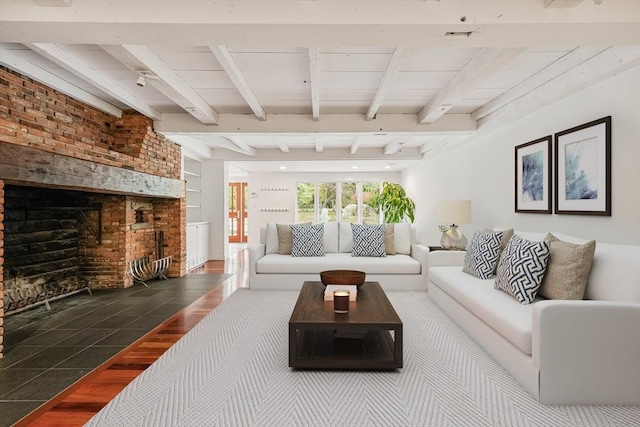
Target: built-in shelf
{"type": "Point", "coordinates": [192, 172]}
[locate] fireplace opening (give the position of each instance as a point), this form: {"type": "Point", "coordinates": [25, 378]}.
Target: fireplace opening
{"type": "Point", "coordinates": [59, 242]}
{"type": "Point", "coordinates": [42, 233]}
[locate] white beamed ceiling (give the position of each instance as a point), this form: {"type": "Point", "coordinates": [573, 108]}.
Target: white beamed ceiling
{"type": "Point", "coordinates": [236, 77]}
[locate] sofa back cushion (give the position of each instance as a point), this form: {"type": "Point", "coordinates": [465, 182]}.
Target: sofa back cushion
{"type": "Point", "coordinates": [345, 239]}
{"type": "Point", "coordinates": [615, 274]}
{"type": "Point", "coordinates": [330, 238]}
{"type": "Point", "coordinates": [402, 237]}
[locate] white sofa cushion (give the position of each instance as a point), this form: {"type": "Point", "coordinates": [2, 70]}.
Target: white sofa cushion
{"type": "Point", "coordinates": [402, 238]}
{"type": "Point", "coordinates": [272, 239]}
{"type": "Point", "coordinates": [497, 309]}
{"type": "Point", "coordinates": [330, 237]}
{"type": "Point", "coordinates": [286, 264]}
{"type": "Point", "coordinates": [615, 270]}
{"type": "Point", "coordinates": [345, 240]}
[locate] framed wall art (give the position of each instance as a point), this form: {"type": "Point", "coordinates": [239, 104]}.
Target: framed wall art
{"type": "Point", "coordinates": [533, 176]}
{"type": "Point", "coordinates": [583, 169]}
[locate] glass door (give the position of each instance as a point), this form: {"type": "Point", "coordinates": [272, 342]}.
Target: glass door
{"type": "Point", "coordinates": [238, 212]}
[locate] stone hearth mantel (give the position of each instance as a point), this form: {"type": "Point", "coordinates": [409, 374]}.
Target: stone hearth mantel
{"type": "Point", "coordinates": [25, 165]}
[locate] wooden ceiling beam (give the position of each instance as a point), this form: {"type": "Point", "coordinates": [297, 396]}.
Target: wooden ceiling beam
{"type": "Point", "coordinates": [385, 83]}
{"type": "Point", "coordinates": [180, 92]}
{"type": "Point", "coordinates": [482, 66]}
{"type": "Point", "coordinates": [232, 69]}
{"type": "Point", "coordinates": [314, 77]}
{"type": "Point", "coordinates": [243, 146]}
{"type": "Point", "coordinates": [82, 70]}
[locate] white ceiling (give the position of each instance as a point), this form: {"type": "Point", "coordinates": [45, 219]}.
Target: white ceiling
{"type": "Point", "coordinates": [321, 85]}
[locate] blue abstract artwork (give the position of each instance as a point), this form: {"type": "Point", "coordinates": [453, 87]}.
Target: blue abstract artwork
{"type": "Point", "coordinates": [533, 176]}
{"type": "Point", "coordinates": [581, 171]}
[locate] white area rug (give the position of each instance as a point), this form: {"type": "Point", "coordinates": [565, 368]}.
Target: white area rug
{"type": "Point", "coordinates": [232, 370]}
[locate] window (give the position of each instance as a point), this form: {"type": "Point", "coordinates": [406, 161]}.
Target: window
{"type": "Point", "coordinates": [353, 202]}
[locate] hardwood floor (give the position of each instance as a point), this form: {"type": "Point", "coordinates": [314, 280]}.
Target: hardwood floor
{"type": "Point", "coordinates": [77, 404]}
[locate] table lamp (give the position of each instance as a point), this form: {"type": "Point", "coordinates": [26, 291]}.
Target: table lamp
{"type": "Point", "coordinates": [452, 213]}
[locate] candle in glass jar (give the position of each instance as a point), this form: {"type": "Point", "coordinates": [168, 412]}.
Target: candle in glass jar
{"type": "Point", "coordinates": [341, 301]}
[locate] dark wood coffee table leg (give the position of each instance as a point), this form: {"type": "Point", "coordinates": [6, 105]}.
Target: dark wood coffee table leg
{"type": "Point", "coordinates": [397, 352]}
{"type": "Point", "coordinates": [293, 344]}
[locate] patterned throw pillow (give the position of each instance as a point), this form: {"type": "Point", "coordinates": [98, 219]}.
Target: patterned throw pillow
{"type": "Point", "coordinates": [522, 268]}
{"type": "Point", "coordinates": [307, 240]}
{"type": "Point", "coordinates": [368, 240]}
{"type": "Point", "coordinates": [482, 254]}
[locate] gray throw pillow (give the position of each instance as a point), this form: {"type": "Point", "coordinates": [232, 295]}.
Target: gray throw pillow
{"type": "Point", "coordinates": [568, 269]}
{"type": "Point", "coordinates": [285, 239]}
{"type": "Point", "coordinates": [389, 239]}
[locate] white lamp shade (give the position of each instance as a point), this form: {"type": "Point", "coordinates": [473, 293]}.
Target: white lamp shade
{"type": "Point", "coordinates": [454, 212]}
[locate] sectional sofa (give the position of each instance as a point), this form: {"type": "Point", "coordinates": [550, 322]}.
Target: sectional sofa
{"type": "Point", "coordinates": [561, 351]}
{"type": "Point", "coordinates": [406, 269]}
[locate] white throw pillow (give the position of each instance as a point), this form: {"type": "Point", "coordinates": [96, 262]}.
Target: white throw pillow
{"type": "Point", "coordinates": [330, 239]}
{"type": "Point", "coordinates": [402, 238]}
{"type": "Point", "coordinates": [345, 243]}
{"type": "Point", "coordinates": [272, 239]}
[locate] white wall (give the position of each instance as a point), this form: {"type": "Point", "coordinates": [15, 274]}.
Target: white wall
{"type": "Point", "coordinates": [261, 182]}
{"type": "Point", "coordinates": [214, 206]}
{"type": "Point", "coordinates": [482, 169]}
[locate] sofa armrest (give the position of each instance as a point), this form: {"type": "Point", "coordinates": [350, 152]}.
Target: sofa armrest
{"type": "Point", "coordinates": [255, 253]}
{"type": "Point", "coordinates": [587, 352]}
{"type": "Point", "coordinates": [446, 258]}
{"type": "Point", "coordinates": [421, 254]}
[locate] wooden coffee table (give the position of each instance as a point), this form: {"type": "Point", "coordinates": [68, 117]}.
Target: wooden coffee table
{"type": "Point", "coordinates": [368, 337]}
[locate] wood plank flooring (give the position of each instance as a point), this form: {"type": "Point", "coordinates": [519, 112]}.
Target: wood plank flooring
{"type": "Point", "coordinates": [77, 404]}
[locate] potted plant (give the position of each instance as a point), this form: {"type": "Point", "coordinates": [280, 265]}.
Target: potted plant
{"type": "Point", "coordinates": [394, 203]}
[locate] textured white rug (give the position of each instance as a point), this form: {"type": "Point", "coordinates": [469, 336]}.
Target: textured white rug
{"type": "Point", "coordinates": [232, 370]}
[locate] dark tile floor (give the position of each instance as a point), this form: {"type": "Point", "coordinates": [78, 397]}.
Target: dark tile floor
{"type": "Point", "coordinates": [47, 351]}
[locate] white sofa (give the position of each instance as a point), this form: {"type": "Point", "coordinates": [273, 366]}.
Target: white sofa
{"type": "Point", "coordinates": [407, 270]}
{"type": "Point", "coordinates": [562, 352]}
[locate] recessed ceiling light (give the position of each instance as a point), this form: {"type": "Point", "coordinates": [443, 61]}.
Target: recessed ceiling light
{"type": "Point", "coordinates": [283, 167]}
{"type": "Point", "coordinates": [354, 167]}
{"type": "Point", "coordinates": [387, 166]}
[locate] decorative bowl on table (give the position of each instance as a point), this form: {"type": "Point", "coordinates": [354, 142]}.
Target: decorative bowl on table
{"type": "Point", "coordinates": [342, 277]}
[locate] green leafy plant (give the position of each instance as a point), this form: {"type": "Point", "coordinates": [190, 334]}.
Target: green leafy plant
{"type": "Point", "coordinates": [443, 228]}
{"type": "Point", "coordinates": [394, 203]}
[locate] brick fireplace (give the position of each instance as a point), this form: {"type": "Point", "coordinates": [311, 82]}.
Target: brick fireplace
{"type": "Point", "coordinates": [82, 193]}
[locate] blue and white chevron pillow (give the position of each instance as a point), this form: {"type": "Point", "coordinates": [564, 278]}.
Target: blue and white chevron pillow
{"type": "Point", "coordinates": [522, 268]}
{"type": "Point", "coordinates": [482, 254]}
{"type": "Point", "coordinates": [306, 240]}
{"type": "Point", "coordinates": [368, 240]}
